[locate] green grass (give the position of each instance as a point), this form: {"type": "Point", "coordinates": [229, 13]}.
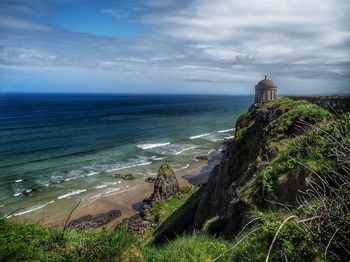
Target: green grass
{"type": "Point", "coordinates": [165, 213]}
{"type": "Point", "coordinates": [308, 153]}
{"type": "Point", "coordinates": [295, 112]}
{"type": "Point", "coordinates": [194, 247]}
{"type": "Point", "coordinates": [36, 243]}
{"type": "Point", "coordinates": [165, 209]}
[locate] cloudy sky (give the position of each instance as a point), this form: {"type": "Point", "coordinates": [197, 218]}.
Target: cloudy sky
{"type": "Point", "coordinates": [174, 46]}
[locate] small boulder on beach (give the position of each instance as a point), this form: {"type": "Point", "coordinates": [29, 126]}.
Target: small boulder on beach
{"type": "Point", "coordinates": [30, 192]}
{"type": "Point", "coordinates": [150, 180]}
{"type": "Point", "coordinates": [125, 176]}
{"type": "Point", "coordinates": [202, 157]}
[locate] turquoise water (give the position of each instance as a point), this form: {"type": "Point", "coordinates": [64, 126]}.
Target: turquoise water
{"type": "Point", "coordinates": [68, 145]}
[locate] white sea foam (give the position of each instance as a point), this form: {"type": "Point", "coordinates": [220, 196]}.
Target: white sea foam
{"type": "Point", "coordinates": [213, 138]}
{"type": "Point", "coordinates": [2, 205]}
{"type": "Point", "coordinates": [57, 179]}
{"type": "Point", "coordinates": [31, 209]}
{"type": "Point", "coordinates": [95, 196]}
{"type": "Point", "coordinates": [128, 166]}
{"type": "Point", "coordinates": [226, 130]}
{"type": "Point", "coordinates": [111, 191]}
{"type": "Point", "coordinates": [183, 150]}
{"type": "Point", "coordinates": [229, 137]}
{"type": "Point", "coordinates": [210, 151]}
{"type": "Point", "coordinates": [156, 158]}
{"type": "Point", "coordinates": [102, 186]}
{"type": "Point", "coordinates": [199, 136]}
{"type": "Point", "coordinates": [76, 192]}
{"type": "Point", "coordinates": [18, 181]}
{"type": "Point", "coordinates": [17, 194]}
{"type": "Point", "coordinates": [182, 168]}
{"type": "Point", "coordinates": [149, 146]}
{"type": "Point", "coordinates": [92, 173]}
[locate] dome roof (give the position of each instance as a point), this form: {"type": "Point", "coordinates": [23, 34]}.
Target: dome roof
{"type": "Point", "coordinates": [266, 84]}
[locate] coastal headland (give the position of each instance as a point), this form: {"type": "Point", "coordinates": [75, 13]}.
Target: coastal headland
{"type": "Point", "coordinates": [280, 189]}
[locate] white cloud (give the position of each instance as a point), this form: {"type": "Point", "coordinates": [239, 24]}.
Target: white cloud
{"type": "Point", "coordinates": [200, 41]}
{"type": "Point", "coordinates": [117, 13]}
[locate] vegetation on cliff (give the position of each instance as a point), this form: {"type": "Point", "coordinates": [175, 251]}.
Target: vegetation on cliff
{"type": "Point", "coordinates": [280, 193]}
{"type": "Point", "coordinates": [292, 173]}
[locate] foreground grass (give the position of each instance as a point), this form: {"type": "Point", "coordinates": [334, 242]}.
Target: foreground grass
{"type": "Point", "coordinates": [194, 247]}
{"type": "Point", "coordinates": [36, 243]}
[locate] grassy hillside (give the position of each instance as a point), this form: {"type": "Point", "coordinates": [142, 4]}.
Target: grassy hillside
{"type": "Point", "coordinates": [293, 204]}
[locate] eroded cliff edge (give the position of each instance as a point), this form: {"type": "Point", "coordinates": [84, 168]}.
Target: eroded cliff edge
{"type": "Point", "coordinates": [263, 164]}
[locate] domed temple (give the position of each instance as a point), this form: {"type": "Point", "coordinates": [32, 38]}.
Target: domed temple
{"type": "Point", "coordinates": [265, 91]}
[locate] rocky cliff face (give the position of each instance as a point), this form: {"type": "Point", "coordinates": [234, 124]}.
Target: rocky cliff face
{"type": "Point", "coordinates": [261, 135]}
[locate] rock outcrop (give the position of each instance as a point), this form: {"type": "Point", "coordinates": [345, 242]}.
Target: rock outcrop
{"type": "Point", "coordinates": [95, 221]}
{"type": "Point", "coordinates": [166, 184]}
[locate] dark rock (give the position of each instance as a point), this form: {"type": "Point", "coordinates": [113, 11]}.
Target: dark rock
{"type": "Point", "coordinates": [166, 184]}
{"type": "Point", "coordinates": [125, 176]}
{"type": "Point", "coordinates": [30, 192]}
{"type": "Point", "coordinates": [150, 180]}
{"type": "Point", "coordinates": [96, 221]}
{"type": "Point", "coordinates": [202, 157]}
{"type": "Point", "coordinates": [136, 224]}
{"type": "Point", "coordinates": [128, 177]}
{"type": "Point", "coordinates": [117, 175]}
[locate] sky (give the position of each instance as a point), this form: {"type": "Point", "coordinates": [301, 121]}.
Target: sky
{"type": "Point", "coordinates": [174, 46]}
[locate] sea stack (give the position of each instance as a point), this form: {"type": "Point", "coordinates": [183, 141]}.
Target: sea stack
{"type": "Point", "coordinates": [166, 184]}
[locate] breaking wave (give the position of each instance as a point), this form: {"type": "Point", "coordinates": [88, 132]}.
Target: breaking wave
{"type": "Point", "coordinates": [226, 130]}
{"type": "Point", "coordinates": [76, 192]}
{"type": "Point", "coordinates": [30, 209]}
{"type": "Point", "coordinates": [199, 136]}
{"type": "Point", "coordinates": [149, 146]}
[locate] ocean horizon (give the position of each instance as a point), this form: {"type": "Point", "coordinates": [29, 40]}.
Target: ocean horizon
{"type": "Point", "coordinates": [66, 145]}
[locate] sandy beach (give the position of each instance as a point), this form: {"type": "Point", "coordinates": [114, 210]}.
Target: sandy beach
{"type": "Point", "coordinates": [126, 201]}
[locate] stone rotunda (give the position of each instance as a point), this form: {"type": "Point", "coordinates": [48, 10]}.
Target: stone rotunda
{"type": "Point", "coordinates": [265, 91]}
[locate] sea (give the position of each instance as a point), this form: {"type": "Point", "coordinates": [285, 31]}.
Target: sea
{"type": "Point", "coordinates": [72, 145]}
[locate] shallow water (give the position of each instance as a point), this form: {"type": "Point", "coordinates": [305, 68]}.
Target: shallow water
{"type": "Point", "coordinates": [71, 145]}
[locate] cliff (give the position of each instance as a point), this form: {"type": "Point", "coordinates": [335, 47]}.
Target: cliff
{"type": "Point", "coordinates": [280, 149]}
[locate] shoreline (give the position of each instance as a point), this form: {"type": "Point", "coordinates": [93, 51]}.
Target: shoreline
{"type": "Point", "coordinates": [126, 201]}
